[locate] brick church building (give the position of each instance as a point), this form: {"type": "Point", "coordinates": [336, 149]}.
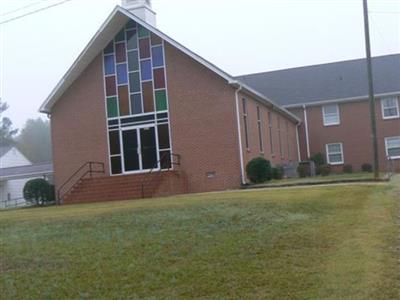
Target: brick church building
{"type": "Point", "coordinates": [140, 115]}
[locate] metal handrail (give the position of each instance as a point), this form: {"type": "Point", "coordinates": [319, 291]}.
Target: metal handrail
{"type": "Point", "coordinates": [90, 171]}
{"type": "Point", "coordinates": [158, 163]}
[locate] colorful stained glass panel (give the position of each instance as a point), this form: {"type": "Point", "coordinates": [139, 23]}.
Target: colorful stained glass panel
{"type": "Point", "coordinates": [148, 99]}
{"type": "Point", "coordinates": [136, 104]}
{"type": "Point", "coordinates": [109, 65]}
{"type": "Point", "coordinates": [145, 68]}
{"type": "Point", "coordinates": [122, 74]}
{"type": "Point", "coordinates": [112, 107]}
{"type": "Point", "coordinates": [159, 78]}
{"type": "Point", "coordinates": [144, 48]}
{"type": "Point", "coordinates": [158, 57]}
{"type": "Point", "coordinates": [132, 41]}
{"type": "Point", "coordinates": [120, 52]}
{"type": "Point", "coordinates": [130, 24]}
{"type": "Point", "coordinates": [111, 89]}
{"type": "Point", "coordinates": [109, 49]}
{"type": "Point", "coordinates": [123, 96]}
{"type": "Point", "coordinates": [133, 61]}
{"type": "Point", "coordinates": [155, 39]}
{"type": "Point", "coordinates": [161, 100]}
{"type": "Point", "coordinates": [120, 36]}
{"type": "Point", "coordinates": [134, 82]}
{"type": "Point", "coordinates": [143, 32]}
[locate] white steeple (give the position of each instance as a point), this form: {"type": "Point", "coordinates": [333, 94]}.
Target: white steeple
{"type": "Point", "coordinates": [142, 9]}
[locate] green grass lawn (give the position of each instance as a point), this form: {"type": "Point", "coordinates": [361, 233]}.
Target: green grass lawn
{"type": "Point", "coordinates": [321, 179]}
{"type": "Point", "coordinates": [336, 242]}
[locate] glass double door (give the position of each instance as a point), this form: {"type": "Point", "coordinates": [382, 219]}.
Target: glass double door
{"type": "Point", "coordinates": [140, 149]}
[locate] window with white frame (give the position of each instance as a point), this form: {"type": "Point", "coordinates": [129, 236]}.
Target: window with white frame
{"type": "Point", "coordinates": [393, 147]}
{"type": "Point", "coordinates": [331, 114]}
{"type": "Point", "coordinates": [390, 108]}
{"type": "Point", "coordinates": [334, 153]}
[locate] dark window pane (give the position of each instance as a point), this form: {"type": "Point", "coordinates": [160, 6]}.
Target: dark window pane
{"type": "Point", "coordinates": [123, 96]}
{"type": "Point", "coordinates": [114, 142]}
{"type": "Point", "coordinates": [111, 89]}
{"type": "Point", "coordinates": [143, 32]}
{"type": "Point", "coordinates": [159, 78]}
{"type": "Point", "coordinates": [136, 104]}
{"type": "Point", "coordinates": [130, 144]}
{"type": "Point", "coordinates": [163, 136]}
{"type": "Point", "coordinates": [161, 100]}
{"type": "Point", "coordinates": [112, 107]}
{"type": "Point", "coordinates": [132, 41]}
{"type": "Point", "coordinates": [155, 39]}
{"type": "Point", "coordinates": [133, 60]}
{"type": "Point", "coordinates": [145, 68]}
{"type": "Point", "coordinates": [148, 147]}
{"type": "Point", "coordinates": [116, 165]}
{"type": "Point", "coordinates": [120, 36]}
{"type": "Point", "coordinates": [110, 48]}
{"type": "Point", "coordinates": [157, 55]}
{"type": "Point", "coordinates": [130, 24]}
{"type": "Point", "coordinates": [148, 100]}
{"type": "Point", "coordinates": [122, 74]}
{"type": "Point", "coordinates": [109, 65]}
{"type": "Point", "coordinates": [120, 52]}
{"type": "Point", "coordinates": [134, 82]}
{"type": "Point", "coordinates": [144, 48]}
{"type": "Point", "coordinates": [165, 160]}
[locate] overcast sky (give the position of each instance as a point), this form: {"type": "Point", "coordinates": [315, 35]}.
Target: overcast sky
{"type": "Point", "coordinates": [240, 36]}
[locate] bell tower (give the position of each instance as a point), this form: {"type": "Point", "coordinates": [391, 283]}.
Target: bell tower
{"type": "Point", "coordinates": [142, 9]}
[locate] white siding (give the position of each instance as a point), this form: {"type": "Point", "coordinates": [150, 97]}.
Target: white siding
{"type": "Point", "coordinates": [13, 158]}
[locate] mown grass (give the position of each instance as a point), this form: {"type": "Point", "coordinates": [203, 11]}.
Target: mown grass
{"type": "Point", "coordinates": [307, 243]}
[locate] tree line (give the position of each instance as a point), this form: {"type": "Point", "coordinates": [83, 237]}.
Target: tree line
{"type": "Point", "coordinates": [33, 140]}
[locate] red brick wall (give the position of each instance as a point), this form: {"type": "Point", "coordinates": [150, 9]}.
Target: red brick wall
{"type": "Point", "coordinates": [353, 131]}
{"type": "Point", "coordinates": [290, 154]}
{"type": "Point", "coordinates": [203, 123]}
{"type": "Point", "coordinates": [78, 124]}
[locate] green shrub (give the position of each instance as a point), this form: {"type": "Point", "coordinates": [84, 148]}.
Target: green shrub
{"type": "Point", "coordinates": [348, 168]}
{"type": "Point", "coordinates": [366, 167]}
{"type": "Point", "coordinates": [39, 191]}
{"type": "Point", "coordinates": [318, 159]}
{"type": "Point", "coordinates": [325, 170]}
{"type": "Point", "coordinates": [277, 172]}
{"type": "Point", "coordinates": [259, 170]}
{"type": "Point", "coordinates": [303, 170]}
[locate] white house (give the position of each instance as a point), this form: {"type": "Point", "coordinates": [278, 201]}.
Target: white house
{"type": "Point", "coordinates": [15, 171]}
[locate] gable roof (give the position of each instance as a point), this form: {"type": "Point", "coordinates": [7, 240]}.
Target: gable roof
{"type": "Point", "coordinates": [344, 80]}
{"type": "Point", "coordinates": [4, 150]}
{"type": "Point", "coordinates": [117, 19]}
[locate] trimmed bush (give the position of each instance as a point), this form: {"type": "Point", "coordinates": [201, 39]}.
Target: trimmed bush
{"type": "Point", "coordinates": [318, 159]}
{"type": "Point", "coordinates": [366, 167]}
{"type": "Point", "coordinates": [325, 170]}
{"type": "Point", "coordinates": [303, 170]}
{"type": "Point", "coordinates": [348, 168]}
{"type": "Point", "coordinates": [277, 173]}
{"type": "Point", "coordinates": [39, 191]}
{"type": "Point", "coordinates": [259, 170]}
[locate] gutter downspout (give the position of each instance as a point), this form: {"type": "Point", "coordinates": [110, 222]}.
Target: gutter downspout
{"type": "Point", "coordinates": [306, 128]}
{"type": "Point", "coordinates": [298, 143]}
{"type": "Point", "coordinates": [242, 178]}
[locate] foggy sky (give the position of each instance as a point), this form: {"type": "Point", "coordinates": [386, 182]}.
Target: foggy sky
{"type": "Point", "coordinates": [238, 36]}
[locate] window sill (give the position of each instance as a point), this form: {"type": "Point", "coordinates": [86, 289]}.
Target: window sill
{"type": "Point", "coordinates": [391, 118]}
{"type": "Point", "coordinates": [336, 164]}
{"type": "Point", "coordinates": [333, 124]}
{"type": "Point", "coordinates": [394, 157]}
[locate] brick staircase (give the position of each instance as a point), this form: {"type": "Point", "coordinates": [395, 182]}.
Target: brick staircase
{"type": "Point", "coordinates": [126, 187]}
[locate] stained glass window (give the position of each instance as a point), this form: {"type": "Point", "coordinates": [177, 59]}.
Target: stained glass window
{"type": "Point", "coordinates": [123, 96]}
{"type": "Point", "coordinates": [133, 61]}
{"type": "Point", "coordinates": [122, 74]}
{"type": "Point", "coordinates": [159, 78]}
{"type": "Point", "coordinates": [109, 49]}
{"type": "Point", "coordinates": [157, 55]}
{"type": "Point", "coordinates": [143, 32]}
{"type": "Point", "coordinates": [112, 107]}
{"type": "Point", "coordinates": [144, 48]}
{"type": "Point", "coordinates": [132, 39]}
{"type": "Point", "coordinates": [161, 100]}
{"type": "Point", "coordinates": [145, 68]}
{"type": "Point", "coordinates": [120, 36]}
{"type": "Point", "coordinates": [120, 52]}
{"type": "Point", "coordinates": [111, 89]}
{"type": "Point", "coordinates": [148, 100]}
{"type": "Point", "coordinates": [134, 82]}
{"type": "Point", "coordinates": [136, 104]}
{"type": "Point", "coordinates": [109, 65]}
